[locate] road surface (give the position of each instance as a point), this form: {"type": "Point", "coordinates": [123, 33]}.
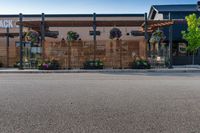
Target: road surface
{"type": "Point", "coordinates": [100, 103]}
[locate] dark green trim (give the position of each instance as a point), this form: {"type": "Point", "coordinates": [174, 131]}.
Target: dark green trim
{"type": "Point", "coordinates": [76, 15]}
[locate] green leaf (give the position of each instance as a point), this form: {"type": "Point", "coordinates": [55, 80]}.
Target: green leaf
{"type": "Point", "coordinates": [192, 34]}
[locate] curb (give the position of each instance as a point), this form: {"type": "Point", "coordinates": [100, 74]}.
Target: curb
{"type": "Point", "coordinates": [105, 71]}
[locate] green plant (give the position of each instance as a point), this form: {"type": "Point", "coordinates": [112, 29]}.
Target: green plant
{"type": "Point", "coordinates": [157, 36]}
{"type": "Point", "coordinates": [115, 33]}
{"type": "Point", "coordinates": [32, 36]}
{"type": "Point", "coordinates": [192, 35]}
{"type": "Point", "coordinates": [49, 65]}
{"type": "Point", "coordinates": [93, 64]}
{"type": "Point", "coordinates": [16, 65]}
{"type": "Point", "coordinates": [72, 36]}
{"type": "Point", "coordinates": [141, 64]}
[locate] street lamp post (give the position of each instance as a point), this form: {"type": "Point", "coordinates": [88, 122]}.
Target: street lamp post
{"type": "Point", "coordinates": [21, 40]}
{"type": "Point", "coordinates": [94, 35]}
{"type": "Point", "coordinates": [170, 44]}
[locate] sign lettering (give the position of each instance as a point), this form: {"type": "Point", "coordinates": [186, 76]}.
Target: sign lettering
{"type": "Point", "coordinates": [6, 24]}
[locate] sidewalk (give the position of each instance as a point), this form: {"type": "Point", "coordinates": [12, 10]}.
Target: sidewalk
{"type": "Point", "coordinates": [163, 70]}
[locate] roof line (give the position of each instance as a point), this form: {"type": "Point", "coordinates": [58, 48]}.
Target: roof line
{"type": "Point", "coordinates": [73, 15]}
{"type": "Point", "coordinates": [175, 5]}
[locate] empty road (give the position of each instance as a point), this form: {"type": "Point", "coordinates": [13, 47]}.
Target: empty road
{"type": "Point", "coordinates": [100, 103]}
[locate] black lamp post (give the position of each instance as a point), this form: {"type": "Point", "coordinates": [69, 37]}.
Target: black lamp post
{"type": "Point", "coordinates": [170, 44]}
{"type": "Point", "coordinates": [94, 35]}
{"type": "Point", "coordinates": [21, 40]}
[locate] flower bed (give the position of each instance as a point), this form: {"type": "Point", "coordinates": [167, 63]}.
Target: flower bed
{"type": "Point", "coordinates": [49, 65]}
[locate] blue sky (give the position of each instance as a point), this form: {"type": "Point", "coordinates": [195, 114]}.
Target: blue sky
{"type": "Point", "coordinates": [82, 6]}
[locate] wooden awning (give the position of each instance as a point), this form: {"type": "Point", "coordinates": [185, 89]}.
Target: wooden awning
{"type": "Point", "coordinates": [9, 34]}
{"type": "Point", "coordinates": [152, 24]}
{"type": "Point", "coordinates": [35, 24]}
{"type": "Point", "coordinates": [155, 24]}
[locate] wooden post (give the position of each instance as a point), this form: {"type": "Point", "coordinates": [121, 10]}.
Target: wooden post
{"type": "Point", "coordinates": [170, 43]}
{"type": "Point", "coordinates": [78, 49]}
{"type": "Point", "coordinates": [120, 52]}
{"type": "Point", "coordinates": [69, 55]}
{"type": "Point", "coordinates": [94, 35]}
{"type": "Point", "coordinates": [21, 40]}
{"type": "Point", "coordinates": [7, 46]}
{"type": "Point", "coordinates": [148, 50]}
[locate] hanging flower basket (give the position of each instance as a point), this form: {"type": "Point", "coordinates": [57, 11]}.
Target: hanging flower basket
{"type": "Point", "coordinates": [32, 36]}
{"type": "Point", "coordinates": [157, 37]}
{"type": "Point", "coordinates": [72, 36]}
{"type": "Point", "coordinates": [115, 33]}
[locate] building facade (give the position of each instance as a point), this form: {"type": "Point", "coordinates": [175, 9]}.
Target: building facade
{"type": "Point", "coordinates": [111, 52]}
{"type": "Point", "coordinates": [82, 49]}
{"type": "Point", "coordinates": [176, 12]}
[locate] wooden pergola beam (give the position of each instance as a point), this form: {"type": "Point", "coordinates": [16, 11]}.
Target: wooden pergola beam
{"type": "Point", "coordinates": [9, 34]}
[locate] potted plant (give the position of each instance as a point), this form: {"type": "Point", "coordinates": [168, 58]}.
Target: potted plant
{"type": "Point", "coordinates": [141, 64]}
{"type": "Point", "coordinates": [156, 38]}
{"type": "Point", "coordinates": [116, 33]}
{"type": "Point", "coordinates": [32, 36]}
{"type": "Point", "coordinates": [71, 36]}
{"type": "Point", "coordinates": [93, 64]}
{"type": "Point", "coordinates": [49, 65]}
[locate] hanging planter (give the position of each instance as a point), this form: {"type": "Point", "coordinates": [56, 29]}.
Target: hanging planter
{"type": "Point", "coordinates": [72, 36]}
{"type": "Point", "coordinates": [115, 33]}
{"type": "Point", "coordinates": [32, 36]}
{"type": "Point", "coordinates": [157, 37]}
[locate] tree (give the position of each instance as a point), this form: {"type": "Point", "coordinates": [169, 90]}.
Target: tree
{"type": "Point", "coordinates": [192, 34]}
{"type": "Point", "coordinates": [71, 36]}
{"type": "Point", "coordinates": [116, 33]}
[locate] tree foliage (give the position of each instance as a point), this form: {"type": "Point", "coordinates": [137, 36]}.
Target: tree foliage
{"type": "Point", "coordinates": [192, 34]}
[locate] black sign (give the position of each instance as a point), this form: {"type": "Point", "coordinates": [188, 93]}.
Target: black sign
{"type": "Point", "coordinates": [98, 33]}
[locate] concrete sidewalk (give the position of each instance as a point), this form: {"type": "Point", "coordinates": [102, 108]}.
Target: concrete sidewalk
{"type": "Point", "coordinates": [163, 70]}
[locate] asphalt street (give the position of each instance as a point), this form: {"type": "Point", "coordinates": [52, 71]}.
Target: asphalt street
{"type": "Point", "coordinates": [100, 103]}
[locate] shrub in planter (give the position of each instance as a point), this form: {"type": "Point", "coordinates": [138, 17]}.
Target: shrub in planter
{"type": "Point", "coordinates": [49, 65]}
{"type": "Point", "coordinates": [93, 64]}
{"type": "Point", "coordinates": [141, 64]}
